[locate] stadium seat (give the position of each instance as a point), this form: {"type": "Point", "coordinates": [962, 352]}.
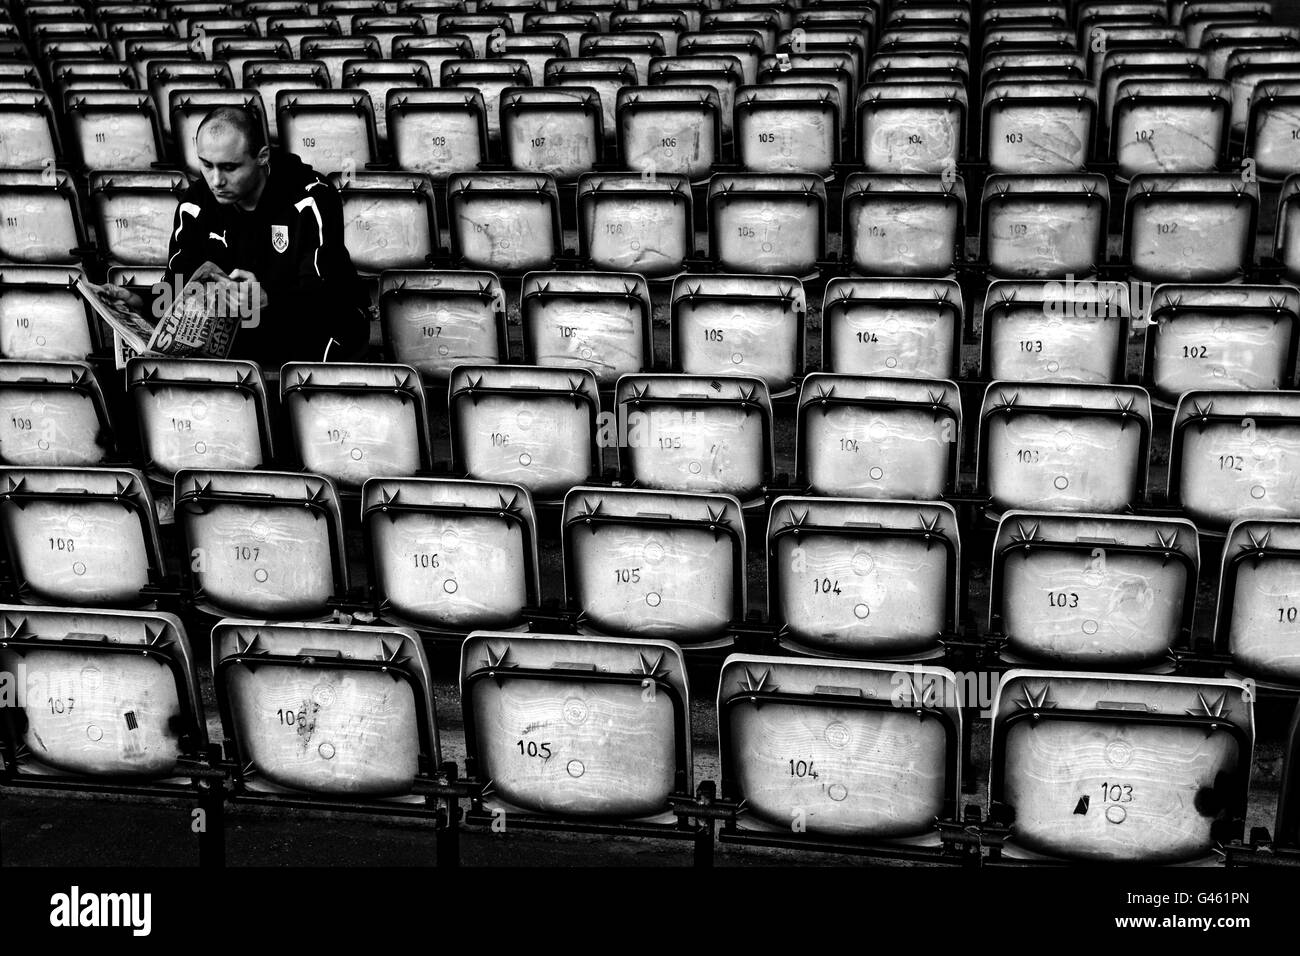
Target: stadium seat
{"type": "Point", "coordinates": [1197, 16]}
{"type": "Point", "coordinates": [336, 51]}
{"type": "Point", "coordinates": [585, 728]}
{"type": "Point", "coordinates": [386, 29]}
{"type": "Point", "coordinates": [1103, 42]}
{"type": "Point", "coordinates": [378, 77]}
{"type": "Point", "coordinates": [268, 77]}
{"type": "Point", "coordinates": [1074, 448]}
{"type": "Point", "coordinates": [121, 34]}
{"type": "Point", "coordinates": [1038, 127]}
{"type": "Point", "coordinates": [236, 51]}
{"type": "Point", "coordinates": [765, 23]}
{"type": "Point", "coordinates": [909, 328]}
{"type": "Point", "coordinates": [30, 138]}
{"type": "Point", "coordinates": [318, 714]}
{"type": "Point", "coordinates": [437, 132]}
{"type": "Point", "coordinates": [852, 430]}
{"type": "Point", "coordinates": [1056, 331]}
{"type": "Point", "coordinates": [204, 31]}
{"type": "Point", "coordinates": [912, 68]}
{"type": "Point", "coordinates": [1220, 41]}
{"type": "Point", "coordinates": [1221, 337]}
{"type": "Point", "coordinates": [1102, 592]}
{"type": "Point", "coordinates": [199, 413]}
{"type": "Point", "coordinates": [389, 220]}
{"type": "Point", "coordinates": [839, 69]}
{"type": "Point", "coordinates": [121, 707]}
{"type": "Point", "coordinates": [1249, 70]}
{"type": "Point", "coordinates": [448, 556]}
{"type": "Point", "coordinates": [72, 74]}
{"type": "Point", "coordinates": [722, 73]}
{"type": "Point", "coordinates": [739, 325]}
{"type": "Point", "coordinates": [678, 561]}
{"type": "Point", "coordinates": [552, 130]}
{"type": "Point", "coordinates": [165, 76]}
{"type": "Point", "coordinates": [903, 225]}
{"type": "Point", "coordinates": [1190, 228]}
{"type": "Point", "coordinates": [599, 321]}
{"type": "Point", "coordinates": [1118, 66]}
{"type": "Point", "coordinates": [816, 38]}
{"type": "Point", "coordinates": [479, 28]}
{"type": "Point", "coordinates": [767, 223]}
{"type": "Point", "coordinates": [911, 127]}
{"type": "Point", "coordinates": [602, 9]}
{"type": "Point", "coordinates": [261, 11]}
{"type": "Point", "coordinates": [696, 433]}
{"type": "Point", "coordinates": [82, 537]}
{"type": "Point", "coordinates": [294, 28]}
{"type": "Point", "coordinates": [42, 318]}
{"type": "Point", "coordinates": [52, 414]}
{"type": "Point", "coordinates": [1169, 126]}
{"type": "Point", "coordinates": [432, 51]}
{"type": "Point", "coordinates": [1010, 67]}
{"type": "Point", "coordinates": [515, 9]}
{"type": "Point", "coordinates": [747, 46]}
{"type": "Point", "coordinates": [141, 52]}
{"type": "Point", "coordinates": [606, 75]}
{"type": "Point", "coordinates": [863, 579]}
{"type": "Point", "coordinates": [571, 25]}
{"type": "Point", "coordinates": [262, 544]}
{"type": "Point", "coordinates": [639, 47]}
{"type": "Point", "coordinates": [1269, 142]}
{"type": "Point", "coordinates": [533, 426]}
{"type": "Point", "coordinates": [504, 222]}
{"type": "Point", "coordinates": [1115, 768]}
{"type": "Point", "coordinates": [435, 321]}
{"type": "Point", "coordinates": [669, 130]}
{"type": "Point", "coordinates": [1255, 622]}
{"type": "Point", "coordinates": [667, 22]}
{"type": "Point", "coordinates": [330, 130]}
{"type": "Point", "coordinates": [188, 108]}
{"type": "Point", "coordinates": [628, 222]}
{"type": "Point", "coordinates": [1234, 455]}
{"type": "Point", "coordinates": [114, 129]}
{"type": "Point", "coordinates": [1043, 227]}
{"type": "Point", "coordinates": [491, 78]}
{"type": "Point", "coordinates": [535, 49]}
{"type": "Point", "coordinates": [132, 212]}
{"type": "Point", "coordinates": [838, 750]}
{"type": "Point", "coordinates": [781, 128]}
{"type": "Point", "coordinates": [350, 422]}
{"type": "Point", "coordinates": [42, 222]}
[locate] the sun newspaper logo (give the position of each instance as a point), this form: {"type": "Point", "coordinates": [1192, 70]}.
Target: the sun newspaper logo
{"type": "Point", "coordinates": [77, 910]}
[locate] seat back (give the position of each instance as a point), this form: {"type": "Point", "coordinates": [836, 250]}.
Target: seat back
{"type": "Point", "coordinates": [630, 223]}
{"type": "Point", "coordinates": [1257, 613]}
{"type": "Point", "coordinates": [654, 564]}
{"type": "Point", "coordinates": [669, 130]}
{"type": "Point", "coordinates": [1190, 228]}
{"type": "Point", "coordinates": [52, 414]}
{"type": "Point", "coordinates": [42, 317]}
{"type": "Point", "coordinates": [892, 327]}
{"type": "Point", "coordinates": [576, 727]}
{"type": "Point", "coordinates": [1056, 331]}
{"type": "Point", "coordinates": [1043, 227]}
{"type": "Point", "coordinates": [133, 213]}
{"type": "Point", "coordinates": [767, 223]}
{"type": "Point", "coordinates": [504, 222]}
{"type": "Point", "coordinates": [903, 225]}
{"type": "Point", "coordinates": [389, 219]}
{"type": "Point", "coordinates": [592, 320]}
{"type": "Point", "coordinates": [435, 321]}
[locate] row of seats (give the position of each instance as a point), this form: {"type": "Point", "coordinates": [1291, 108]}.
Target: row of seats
{"type": "Point", "coordinates": [1085, 766]}
{"type": "Point", "coordinates": [1039, 444]}
{"type": "Point", "coordinates": [1197, 336]}
{"type": "Point", "coordinates": [1176, 228]}
{"type": "Point", "coordinates": [852, 578]}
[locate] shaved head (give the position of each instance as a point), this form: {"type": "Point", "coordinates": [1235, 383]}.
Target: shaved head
{"type": "Point", "coordinates": [233, 156]}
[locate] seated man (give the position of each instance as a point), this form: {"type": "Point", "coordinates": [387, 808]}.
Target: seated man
{"type": "Point", "coordinates": [264, 219]}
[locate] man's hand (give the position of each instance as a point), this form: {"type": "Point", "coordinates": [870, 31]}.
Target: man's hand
{"type": "Point", "coordinates": [251, 293]}
{"type": "Point", "coordinates": [120, 294]}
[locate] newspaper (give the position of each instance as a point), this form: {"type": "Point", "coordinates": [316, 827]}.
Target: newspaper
{"type": "Point", "coordinates": [198, 323]}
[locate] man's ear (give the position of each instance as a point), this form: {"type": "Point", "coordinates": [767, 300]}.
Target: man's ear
{"type": "Point", "coordinates": [264, 156]}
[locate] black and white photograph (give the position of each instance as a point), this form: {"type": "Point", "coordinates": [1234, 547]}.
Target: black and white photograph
{"type": "Point", "coordinates": [553, 466]}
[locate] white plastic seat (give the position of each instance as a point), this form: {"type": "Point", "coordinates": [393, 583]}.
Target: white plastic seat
{"type": "Point", "coordinates": [1170, 126]}
{"type": "Point", "coordinates": [1039, 127]}
{"type": "Point", "coordinates": [1190, 228]}
{"type": "Point", "coordinates": [42, 317]}
{"type": "Point", "coordinates": [434, 321]}
{"type": "Point", "coordinates": [262, 544]}
{"type": "Point", "coordinates": [450, 556]}
{"type": "Point", "coordinates": [389, 219]}
{"type": "Point", "coordinates": [739, 325]}
{"type": "Point", "coordinates": [504, 222]}
{"type": "Point", "coordinates": [1056, 331]}
{"type": "Point", "coordinates": [903, 225]}
{"type": "Point", "coordinates": [655, 564]}
{"type": "Point", "coordinates": [851, 578]}
{"type": "Point", "coordinates": [534, 426]}
{"type": "Point", "coordinates": [670, 130]}
{"type": "Point", "coordinates": [909, 328]}
{"type": "Point", "coordinates": [132, 213]}
{"type": "Point", "coordinates": [844, 750]}
{"type": "Point", "coordinates": [594, 320]}
{"type": "Point", "coordinates": [1114, 768]}
{"type": "Point", "coordinates": [114, 129]}
{"type": "Point", "coordinates": [1074, 448]}
{"type": "Point", "coordinates": [911, 128]}
{"type": "Point", "coordinates": [1041, 227]}
{"type": "Point", "coordinates": [781, 128]}
{"type": "Point", "coordinates": [351, 422]}
{"type": "Point", "coordinates": [52, 414]}
{"type": "Point", "coordinates": [552, 130]}
{"type": "Point", "coordinates": [631, 223]}
{"type": "Point", "coordinates": [82, 537]}
{"type": "Point", "coordinates": [861, 437]}
{"type": "Point", "coordinates": [330, 130]}
{"type": "Point", "coordinates": [1103, 592]}
{"type": "Point", "coordinates": [1235, 455]}
{"type": "Point", "coordinates": [618, 745]}
{"type": "Point", "coordinates": [767, 223]}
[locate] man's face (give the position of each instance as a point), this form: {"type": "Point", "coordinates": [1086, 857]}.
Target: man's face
{"type": "Point", "coordinates": [232, 172]}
